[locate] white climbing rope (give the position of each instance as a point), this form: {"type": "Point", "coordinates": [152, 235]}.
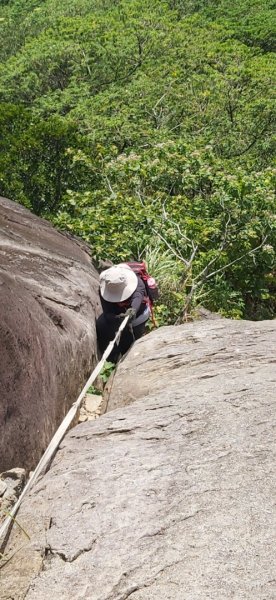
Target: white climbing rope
{"type": "Point", "coordinates": [58, 436]}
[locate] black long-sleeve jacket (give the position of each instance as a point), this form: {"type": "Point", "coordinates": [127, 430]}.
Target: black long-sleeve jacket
{"type": "Point", "coordinates": [137, 300]}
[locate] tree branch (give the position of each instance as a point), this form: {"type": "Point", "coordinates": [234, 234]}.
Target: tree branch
{"type": "Point", "coordinates": [204, 276]}
{"type": "Point", "coordinates": [237, 259]}
{"type": "Point", "coordinates": [171, 248]}
{"type": "Point", "coordinates": [256, 137]}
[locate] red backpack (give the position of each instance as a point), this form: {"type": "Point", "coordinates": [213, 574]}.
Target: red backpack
{"type": "Point", "coordinates": [152, 292]}
{"type": "Point", "coordinates": [140, 268]}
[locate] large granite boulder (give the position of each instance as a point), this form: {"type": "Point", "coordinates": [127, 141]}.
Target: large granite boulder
{"type": "Point", "coordinates": [170, 497]}
{"type": "Point", "coordinates": [48, 301]}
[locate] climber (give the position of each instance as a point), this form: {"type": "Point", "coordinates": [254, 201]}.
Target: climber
{"type": "Point", "coordinates": [122, 293]}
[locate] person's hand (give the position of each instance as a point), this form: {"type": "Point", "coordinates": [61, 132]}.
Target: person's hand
{"type": "Point", "coordinates": [131, 313]}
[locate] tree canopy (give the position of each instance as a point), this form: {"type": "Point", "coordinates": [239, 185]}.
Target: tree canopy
{"type": "Point", "coordinates": [144, 124]}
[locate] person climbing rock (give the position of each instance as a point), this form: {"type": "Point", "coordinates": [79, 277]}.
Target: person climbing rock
{"type": "Point", "coordinates": [122, 293]}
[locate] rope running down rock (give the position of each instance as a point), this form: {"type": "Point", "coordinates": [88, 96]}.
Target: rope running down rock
{"type": "Point", "coordinates": [58, 436]}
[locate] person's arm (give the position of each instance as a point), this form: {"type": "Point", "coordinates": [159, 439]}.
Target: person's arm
{"type": "Point", "coordinates": [138, 296]}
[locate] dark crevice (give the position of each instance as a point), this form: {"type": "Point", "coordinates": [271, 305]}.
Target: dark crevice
{"type": "Point", "coordinates": [75, 307]}
{"type": "Point", "coordinates": [51, 552]}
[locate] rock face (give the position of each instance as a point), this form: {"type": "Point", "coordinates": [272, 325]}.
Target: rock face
{"type": "Point", "coordinates": [12, 484]}
{"type": "Point", "coordinates": [170, 497]}
{"type": "Point", "coordinates": [48, 301]}
{"type": "Point", "coordinates": [210, 357]}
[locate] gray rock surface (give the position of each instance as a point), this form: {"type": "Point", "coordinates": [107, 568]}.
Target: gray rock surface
{"type": "Point", "coordinates": [171, 497]}
{"type": "Point", "coordinates": [12, 484]}
{"type": "Point", "coordinates": [48, 301]}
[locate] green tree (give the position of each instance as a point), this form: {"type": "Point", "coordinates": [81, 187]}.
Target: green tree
{"type": "Point", "coordinates": [141, 123]}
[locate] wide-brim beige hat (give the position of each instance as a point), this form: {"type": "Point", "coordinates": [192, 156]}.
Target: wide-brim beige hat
{"type": "Point", "coordinates": [118, 283]}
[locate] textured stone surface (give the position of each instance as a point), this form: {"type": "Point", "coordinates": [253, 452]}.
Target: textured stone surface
{"type": "Point", "coordinates": [218, 356]}
{"type": "Point", "coordinates": [171, 497]}
{"type": "Point", "coordinates": [92, 403]}
{"type": "Point", "coordinates": [3, 487]}
{"type": "Point", "coordinates": [48, 300]}
{"type": "Point", "coordinates": [91, 408]}
{"type": "Point", "coordinates": [11, 485]}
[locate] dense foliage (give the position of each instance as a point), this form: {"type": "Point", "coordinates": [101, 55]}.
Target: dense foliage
{"type": "Point", "coordinates": [146, 127]}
